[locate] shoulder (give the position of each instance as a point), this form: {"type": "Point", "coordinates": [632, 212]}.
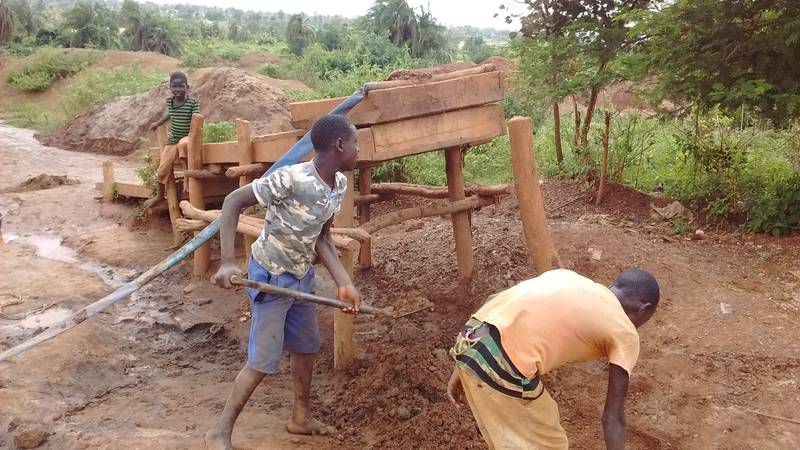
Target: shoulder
{"type": "Point", "coordinates": [341, 182]}
{"type": "Point", "coordinates": [168, 101]}
{"type": "Point", "coordinates": [193, 101]}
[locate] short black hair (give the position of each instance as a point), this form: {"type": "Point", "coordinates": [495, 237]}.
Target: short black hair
{"type": "Point", "coordinates": [329, 128]}
{"type": "Point", "coordinates": [178, 76]}
{"type": "Point", "coordinates": [638, 284]}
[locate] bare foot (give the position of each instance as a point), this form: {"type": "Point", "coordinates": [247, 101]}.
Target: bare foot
{"type": "Point", "coordinates": [309, 427]}
{"type": "Point", "coordinates": [217, 440]}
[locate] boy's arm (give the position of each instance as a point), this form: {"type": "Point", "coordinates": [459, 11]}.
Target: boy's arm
{"type": "Point", "coordinates": [160, 121]}
{"type": "Point", "coordinates": [234, 203]}
{"type": "Point", "coordinates": [327, 254]}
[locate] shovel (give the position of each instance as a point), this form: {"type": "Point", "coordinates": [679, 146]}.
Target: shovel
{"type": "Point", "coordinates": [270, 289]}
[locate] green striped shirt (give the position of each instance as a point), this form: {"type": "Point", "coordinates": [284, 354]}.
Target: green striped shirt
{"type": "Point", "coordinates": [180, 118]}
{"type": "Point", "coordinates": [484, 356]}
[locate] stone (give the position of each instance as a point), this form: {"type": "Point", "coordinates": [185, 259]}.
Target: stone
{"type": "Point", "coordinates": [30, 437]}
{"type": "Point", "coordinates": [189, 288]}
{"type": "Point", "coordinates": [403, 413]}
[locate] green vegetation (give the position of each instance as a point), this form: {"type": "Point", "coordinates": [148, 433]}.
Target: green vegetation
{"type": "Point", "coordinates": [47, 67]}
{"type": "Point", "coordinates": [103, 84]}
{"type": "Point", "coordinates": [219, 132]}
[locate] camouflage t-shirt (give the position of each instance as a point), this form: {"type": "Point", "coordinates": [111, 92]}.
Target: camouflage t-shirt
{"type": "Point", "coordinates": [298, 203]}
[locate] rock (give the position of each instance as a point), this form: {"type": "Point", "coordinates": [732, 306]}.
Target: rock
{"type": "Point", "coordinates": [189, 288]}
{"type": "Point", "coordinates": [403, 413]}
{"type": "Point", "coordinates": [698, 235]}
{"type": "Point", "coordinates": [202, 301]}
{"type": "Point", "coordinates": [595, 254]}
{"type": "Point", "coordinates": [673, 210]}
{"type": "Point", "coordinates": [30, 437]}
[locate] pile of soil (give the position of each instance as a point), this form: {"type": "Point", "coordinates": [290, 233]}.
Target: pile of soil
{"type": "Point", "coordinates": [225, 93]}
{"type": "Point", "coordinates": [253, 61]}
{"type": "Point", "coordinates": [40, 182]}
{"type": "Point", "coordinates": [502, 64]}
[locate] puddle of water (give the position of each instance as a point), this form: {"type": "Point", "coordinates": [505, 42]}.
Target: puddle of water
{"type": "Point", "coordinates": [50, 247]}
{"type": "Point", "coordinates": [48, 318]}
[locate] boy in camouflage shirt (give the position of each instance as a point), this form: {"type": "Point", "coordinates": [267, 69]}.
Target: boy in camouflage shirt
{"type": "Point", "coordinates": [300, 201]}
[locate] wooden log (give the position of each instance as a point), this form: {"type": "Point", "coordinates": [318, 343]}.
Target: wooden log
{"type": "Point", "coordinates": [252, 226]}
{"type": "Point", "coordinates": [244, 139]}
{"type": "Point", "coordinates": [203, 174]}
{"type": "Point", "coordinates": [371, 198]}
{"type": "Point", "coordinates": [364, 188]}
{"type": "Point", "coordinates": [423, 134]}
{"type": "Point", "coordinates": [195, 162]}
{"type": "Point", "coordinates": [421, 190]}
{"type": "Point", "coordinates": [407, 102]}
{"type": "Point", "coordinates": [604, 166]}
{"type": "Point", "coordinates": [170, 189]}
{"type": "Point", "coordinates": [343, 353]}
{"type": "Point", "coordinates": [377, 85]}
{"type": "Point", "coordinates": [462, 230]}
{"type": "Point", "coordinates": [418, 212]}
{"type": "Point", "coordinates": [529, 196]}
{"type": "Point", "coordinates": [246, 171]}
{"type": "Point", "coordinates": [108, 181]}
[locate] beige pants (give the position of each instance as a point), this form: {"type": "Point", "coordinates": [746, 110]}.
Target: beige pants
{"type": "Point", "coordinates": [508, 423]}
{"type": "Point", "coordinates": [170, 154]}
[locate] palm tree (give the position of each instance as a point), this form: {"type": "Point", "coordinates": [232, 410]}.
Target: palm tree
{"type": "Point", "coordinates": [299, 33]}
{"type": "Point", "coordinates": [148, 30]}
{"type": "Point", "coordinates": [429, 37]}
{"type": "Point", "coordinates": [396, 17]}
{"type": "Point", "coordinates": [6, 22]}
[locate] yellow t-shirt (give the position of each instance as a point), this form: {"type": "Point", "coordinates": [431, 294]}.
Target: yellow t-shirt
{"type": "Point", "coordinates": [559, 317]}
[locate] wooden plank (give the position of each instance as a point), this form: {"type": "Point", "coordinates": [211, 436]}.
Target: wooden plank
{"type": "Point", "coordinates": [277, 136]}
{"type": "Point", "coordinates": [529, 196]}
{"type": "Point", "coordinates": [194, 159]}
{"type": "Point", "coordinates": [108, 181]}
{"type": "Point", "coordinates": [343, 353]}
{"type": "Point", "coordinates": [127, 190]}
{"type": "Point", "coordinates": [170, 188]}
{"type": "Point", "coordinates": [220, 153]}
{"type": "Point", "coordinates": [423, 134]}
{"type": "Point", "coordinates": [364, 188]}
{"type": "Point", "coordinates": [406, 102]}
{"type": "Point", "coordinates": [462, 231]}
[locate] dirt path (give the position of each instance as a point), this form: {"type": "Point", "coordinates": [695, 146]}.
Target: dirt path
{"type": "Point", "coordinates": [154, 371]}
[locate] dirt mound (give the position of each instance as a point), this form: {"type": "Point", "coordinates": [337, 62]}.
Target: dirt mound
{"type": "Point", "coordinates": [225, 93]}
{"type": "Point", "coordinates": [40, 182]}
{"type": "Point", "coordinates": [147, 60]}
{"type": "Point", "coordinates": [502, 64]}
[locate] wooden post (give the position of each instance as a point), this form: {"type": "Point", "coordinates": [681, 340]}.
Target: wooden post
{"type": "Point", "coordinates": [529, 196]}
{"type": "Point", "coordinates": [604, 167]}
{"type": "Point", "coordinates": [170, 190]}
{"type": "Point", "coordinates": [364, 188]}
{"type": "Point", "coordinates": [342, 322]}
{"type": "Point", "coordinates": [244, 139]}
{"type": "Point", "coordinates": [108, 181]}
{"type": "Point", "coordinates": [461, 220]}
{"type": "Point", "coordinates": [196, 198]}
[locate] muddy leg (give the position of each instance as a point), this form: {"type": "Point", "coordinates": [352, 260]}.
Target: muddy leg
{"type": "Point", "coordinates": [301, 421]}
{"type": "Point", "coordinates": [245, 383]}
{"type": "Point", "coordinates": [158, 197]}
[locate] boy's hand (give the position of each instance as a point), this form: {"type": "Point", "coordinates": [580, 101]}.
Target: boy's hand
{"type": "Point", "coordinates": [455, 391]}
{"type": "Point", "coordinates": [223, 276]}
{"type": "Point", "coordinates": [349, 294]}
{"type": "Point", "coordinates": [153, 127]}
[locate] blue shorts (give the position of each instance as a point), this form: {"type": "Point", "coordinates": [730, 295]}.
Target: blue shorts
{"type": "Point", "coordinates": [280, 323]}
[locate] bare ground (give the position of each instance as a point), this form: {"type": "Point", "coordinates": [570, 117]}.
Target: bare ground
{"type": "Point", "coordinates": [154, 371]}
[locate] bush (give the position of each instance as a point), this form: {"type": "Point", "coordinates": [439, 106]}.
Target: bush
{"type": "Point", "coordinates": [219, 132]}
{"type": "Point", "coordinates": [47, 67]}
{"type": "Point", "coordinates": [103, 84]}
{"type": "Point", "coordinates": [210, 52]}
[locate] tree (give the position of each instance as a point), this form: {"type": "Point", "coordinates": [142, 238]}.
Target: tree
{"type": "Point", "coordinates": [90, 25]}
{"type": "Point", "coordinates": [148, 30]}
{"type": "Point", "coordinates": [735, 54]}
{"type": "Point", "coordinates": [6, 22]}
{"type": "Point", "coordinates": [299, 34]}
{"type": "Point", "coordinates": [428, 37]}
{"type": "Point", "coordinates": [394, 17]}
{"type": "Point", "coordinates": [476, 49]}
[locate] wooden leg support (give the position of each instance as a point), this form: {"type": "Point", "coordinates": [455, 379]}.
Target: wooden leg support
{"type": "Point", "coordinates": [364, 188]}
{"type": "Point", "coordinates": [194, 158]}
{"type": "Point", "coordinates": [343, 353]}
{"type": "Point", "coordinates": [108, 181]}
{"type": "Point", "coordinates": [461, 220]}
{"type": "Point", "coordinates": [529, 196]}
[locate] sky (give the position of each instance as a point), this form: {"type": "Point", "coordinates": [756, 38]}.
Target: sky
{"type": "Point", "coordinates": [477, 13]}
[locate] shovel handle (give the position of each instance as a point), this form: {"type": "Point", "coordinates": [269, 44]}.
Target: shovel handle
{"type": "Point", "coordinates": [270, 289]}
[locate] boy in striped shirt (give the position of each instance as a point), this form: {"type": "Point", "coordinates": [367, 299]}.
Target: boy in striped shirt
{"type": "Point", "coordinates": [179, 112]}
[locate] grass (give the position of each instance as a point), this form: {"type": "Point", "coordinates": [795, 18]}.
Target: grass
{"type": "Point", "coordinates": [101, 85]}
{"type": "Point", "coordinates": [47, 66]}
{"type": "Point", "coordinates": [199, 53]}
